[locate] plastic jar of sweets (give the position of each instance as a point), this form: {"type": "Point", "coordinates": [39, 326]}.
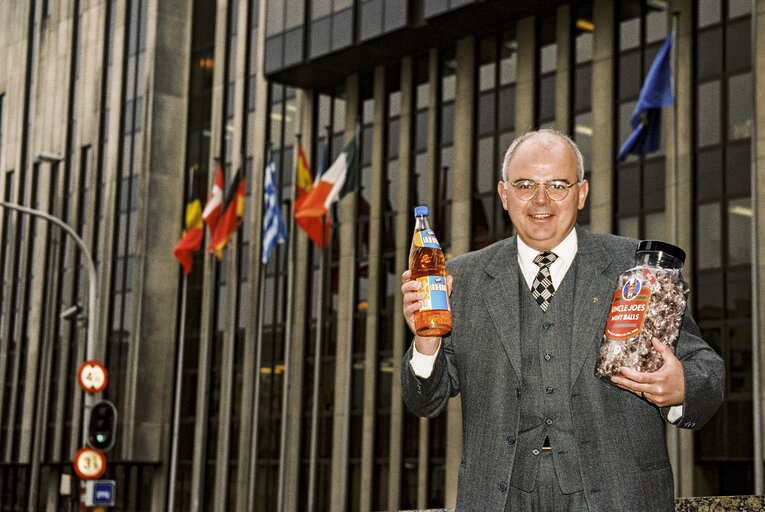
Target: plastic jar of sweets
{"type": "Point", "coordinates": [649, 303]}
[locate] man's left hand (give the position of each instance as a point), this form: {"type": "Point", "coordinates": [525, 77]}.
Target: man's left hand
{"type": "Point", "coordinates": [664, 387]}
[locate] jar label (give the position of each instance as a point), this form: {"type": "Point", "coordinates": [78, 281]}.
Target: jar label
{"type": "Point", "coordinates": [628, 310]}
{"type": "Point", "coordinates": [435, 287]}
{"type": "Point", "coordinates": [426, 238]}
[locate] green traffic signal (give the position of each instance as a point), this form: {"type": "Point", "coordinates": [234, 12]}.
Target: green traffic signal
{"type": "Point", "coordinates": [102, 427]}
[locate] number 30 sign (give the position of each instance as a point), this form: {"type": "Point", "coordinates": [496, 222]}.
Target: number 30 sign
{"type": "Point", "coordinates": [89, 464]}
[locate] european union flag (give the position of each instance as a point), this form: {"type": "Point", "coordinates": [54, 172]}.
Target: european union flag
{"type": "Point", "coordinates": [655, 94]}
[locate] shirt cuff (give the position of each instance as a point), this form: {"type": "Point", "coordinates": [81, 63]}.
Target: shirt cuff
{"type": "Point", "coordinates": [675, 413]}
{"type": "Point", "coordinates": [422, 365]}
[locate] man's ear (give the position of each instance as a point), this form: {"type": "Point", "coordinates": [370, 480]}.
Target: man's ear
{"type": "Point", "coordinates": [584, 189]}
{"type": "Point", "coordinates": [502, 191]}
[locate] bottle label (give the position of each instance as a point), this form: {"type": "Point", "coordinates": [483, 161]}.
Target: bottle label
{"type": "Point", "coordinates": [628, 310]}
{"type": "Point", "coordinates": [426, 238]}
{"type": "Point", "coordinates": [435, 287]}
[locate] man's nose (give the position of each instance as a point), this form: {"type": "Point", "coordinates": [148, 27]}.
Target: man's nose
{"type": "Point", "coordinates": [541, 194]}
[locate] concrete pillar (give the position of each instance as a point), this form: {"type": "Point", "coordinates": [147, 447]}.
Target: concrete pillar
{"type": "Point", "coordinates": [603, 126]}
{"type": "Point", "coordinates": [679, 201]}
{"type": "Point", "coordinates": [434, 77]}
{"type": "Point", "coordinates": [346, 305]}
{"type": "Point", "coordinates": [758, 121]}
{"type": "Point", "coordinates": [563, 82]}
{"type": "Point", "coordinates": [249, 435]}
{"type": "Point", "coordinates": [525, 90]}
{"type": "Point", "coordinates": [400, 341]}
{"type": "Point", "coordinates": [237, 62]}
{"type": "Point", "coordinates": [292, 420]}
{"type": "Point", "coordinates": [374, 285]}
{"type": "Point", "coordinates": [199, 468]}
{"type": "Point", "coordinates": [462, 200]}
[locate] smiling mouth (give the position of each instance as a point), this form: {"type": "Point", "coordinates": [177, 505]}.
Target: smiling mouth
{"type": "Point", "coordinates": [541, 215]}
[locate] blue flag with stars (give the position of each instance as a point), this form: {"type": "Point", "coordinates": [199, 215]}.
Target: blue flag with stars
{"type": "Point", "coordinates": [274, 231]}
{"type": "Point", "coordinates": [655, 94]}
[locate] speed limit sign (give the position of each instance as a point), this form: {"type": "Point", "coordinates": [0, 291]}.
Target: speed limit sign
{"type": "Point", "coordinates": [92, 376]}
{"type": "Point", "coordinates": [89, 464]}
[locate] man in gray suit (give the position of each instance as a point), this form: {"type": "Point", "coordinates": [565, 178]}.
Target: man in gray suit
{"type": "Point", "coordinates": [540, 431]}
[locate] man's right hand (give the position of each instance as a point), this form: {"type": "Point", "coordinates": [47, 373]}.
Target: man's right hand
{"type": "Point", "coordinates": [412, 296]}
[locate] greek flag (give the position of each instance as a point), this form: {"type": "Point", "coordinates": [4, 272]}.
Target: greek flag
{"type": "Point", "coordinates": [274, 231]}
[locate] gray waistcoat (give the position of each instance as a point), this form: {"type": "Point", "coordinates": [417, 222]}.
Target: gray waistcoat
{"type": "Point", "coordinates": [545, 401]}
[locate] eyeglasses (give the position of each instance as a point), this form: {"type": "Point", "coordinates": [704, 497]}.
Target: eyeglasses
{"type": "Point", "coordinates": [557, 190]}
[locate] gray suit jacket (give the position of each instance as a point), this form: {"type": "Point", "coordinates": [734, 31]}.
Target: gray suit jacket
{"type": "Point", "coordinates": [620, 437]}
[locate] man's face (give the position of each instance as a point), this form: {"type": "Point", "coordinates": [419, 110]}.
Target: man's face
{"type": "Point", "coordinates": [541, 222]}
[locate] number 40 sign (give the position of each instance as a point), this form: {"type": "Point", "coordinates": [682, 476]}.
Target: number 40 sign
{"type": "Point", "coordinates": [92, 376]}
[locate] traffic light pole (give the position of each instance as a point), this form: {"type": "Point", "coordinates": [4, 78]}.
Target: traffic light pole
{"type": "Point", "coordinates": [91, 324]}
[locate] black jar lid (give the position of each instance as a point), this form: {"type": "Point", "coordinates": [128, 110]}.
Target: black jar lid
{"type": "Point", "coordinates": [657, 246]}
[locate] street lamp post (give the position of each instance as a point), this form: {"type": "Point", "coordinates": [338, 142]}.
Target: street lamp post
{"type": "Point", "coordinates": [91, 315]}
{"type": "Point", "coordinates": [91, 267]}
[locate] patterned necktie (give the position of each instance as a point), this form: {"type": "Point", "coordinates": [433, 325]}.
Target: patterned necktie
{"type": "Point", "coordinates": [542, 288]}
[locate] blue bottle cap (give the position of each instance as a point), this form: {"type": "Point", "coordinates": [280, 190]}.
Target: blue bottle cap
{"type": "Point", "coordinates": [420, 211]}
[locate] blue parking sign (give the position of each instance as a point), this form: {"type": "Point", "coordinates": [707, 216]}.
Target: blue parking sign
{"type": "Point", "coordinates": [103, 492]}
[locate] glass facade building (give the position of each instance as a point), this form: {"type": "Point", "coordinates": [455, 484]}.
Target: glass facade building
{"type": "Point", "coordinates": [252, 385]}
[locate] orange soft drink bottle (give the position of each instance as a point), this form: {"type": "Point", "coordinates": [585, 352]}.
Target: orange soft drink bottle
{"type": "Point", "coordinates": [428, 267]}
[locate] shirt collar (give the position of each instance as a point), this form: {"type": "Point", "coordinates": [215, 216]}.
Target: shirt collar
{"type": "Point", "coordinates": [565, 250]}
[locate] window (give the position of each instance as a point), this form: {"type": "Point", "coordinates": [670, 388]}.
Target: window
{"type": "Point", "coordinates": [284, 33]}
{"type": "Point", "coordinates": [377, 17]}
{"type": "Point", "coordinates": [495, 130]}
{"type": "Point", "coordinates": [331, 26]}
{"type": "Point", "coordinates": [723, 246]}
{"type": "Point", "coordinates": [582, 94]}
{"type": "Point", "coordinates": [547, 58]}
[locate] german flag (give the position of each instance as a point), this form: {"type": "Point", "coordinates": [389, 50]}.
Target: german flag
{"type": "Point", "coordinates": [231, 215]}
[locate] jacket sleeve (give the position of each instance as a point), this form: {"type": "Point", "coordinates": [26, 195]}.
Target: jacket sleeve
{"type": "Point", "coordinates": [428, 397]}
{"type": "Point", "coordinates": [704, 372]}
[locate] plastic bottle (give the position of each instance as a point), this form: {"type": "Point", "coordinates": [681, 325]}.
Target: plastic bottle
{"type": "Point", "coordinates": [428, 266]}
{"type": "Point", "coordinates": [649, 303]}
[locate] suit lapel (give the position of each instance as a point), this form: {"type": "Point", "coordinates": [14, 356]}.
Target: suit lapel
{"type": "Point", "coordinates": [502, 301]}
{"type": "Point", "coordinates": [592, 299]}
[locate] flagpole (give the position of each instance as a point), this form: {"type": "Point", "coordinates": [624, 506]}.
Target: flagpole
{"type": "Point", "coordinates": [177, 400]}
{"type": "Point", "coordinates": [312, 463]}
{"type": "Point", "coordinates": [347, 357]}
{"type": "Point", "coordinates": [255, 416]}
{"type": "Point", "coordinates": [677, 459]}
{"type": "Point", "coordinates": [253, 466]}
{"type": "Point", "coordinates": [199, 462]}
{"type": "Point", "coordinates": [675, 143]}
{"type": "Point", "coordinates": [287, 347]}
{"type": "Point", "coordinates": [756, 371]}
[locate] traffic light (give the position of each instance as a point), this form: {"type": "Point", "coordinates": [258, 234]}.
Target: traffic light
{"type": "Point", "coordinates": [102, 426]}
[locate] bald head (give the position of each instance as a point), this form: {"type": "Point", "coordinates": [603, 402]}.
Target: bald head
{"type": "Point", "coordinates": [545, 139]}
